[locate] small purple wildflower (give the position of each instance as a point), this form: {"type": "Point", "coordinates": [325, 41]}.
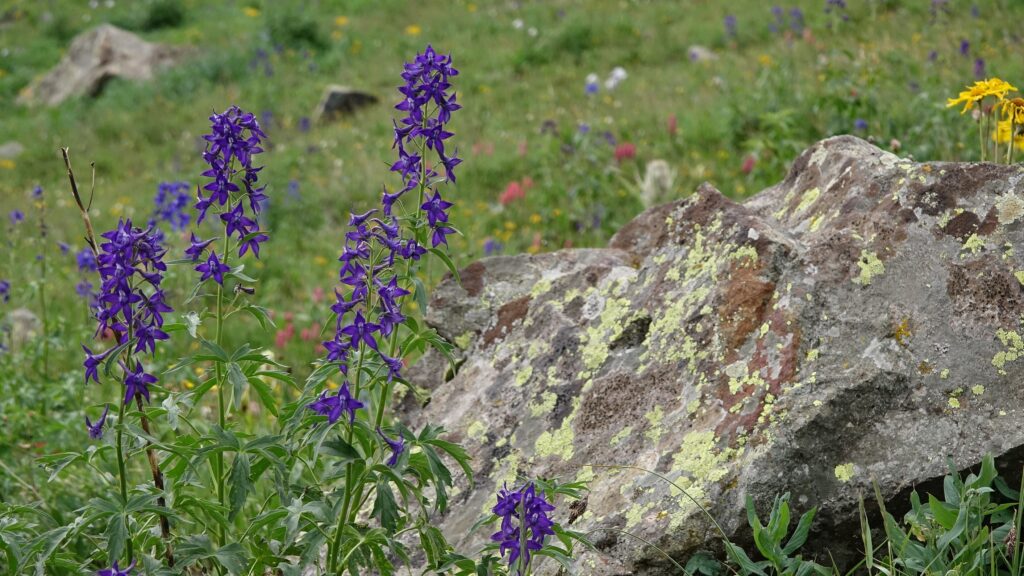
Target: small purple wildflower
{"type": "Point", "coordinates": [979, 68]}
{"type": "Point", "coordinates": [5, 290]}
{"type": "Point", "coordinates": [304, 124]}
{"type": "Point", "coordinates": [796, 20]}
{"type": "Point", "coordinates": [86, 260]}
{"type": "Point", "coordinates": [96, 430]}
{"type": "Point", "coordinates": [397, 447]}
{"type": "Point", "coordinates": [16, 216]}
{"type": "Point", "coordinates": [780, 20]}
{"type": "Point", "coordinates": [293, 190]}
{"type": "Point", "coordinates": [933, 55]}
{"type": "Point", "coordinates": [860, 124]}
{"type": "Point", "coordinates": [37, 192]}
{"type": "Point", "coordinates": [730, 25]}
{"type": "Point", "coordinates": [92, 363]}
{"type": "Point", "coordinates": [196, 247]}
{"type": "Point", "coordinates": [522, 510]}
{"type": "Point", "coordinates": [333, 406]}
{"type": "Point", "coordinates": [84, 289]}
{"type": "Point", "coordinates": [965, 48]}
{"type": "Point", "coordinates": [172, 204]}
{"type": "Point", "coordinates": [592, 85]}
{"type": "Point", "coordinates": [136, 382]}
{"type": "Point", "coordinates": [492, 246]}
{"type": "Point", "coordinates": [213, 268]}
{"type": "Point", "coordinates": [64, 248]}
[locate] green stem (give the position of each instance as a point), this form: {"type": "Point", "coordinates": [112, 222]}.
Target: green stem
{"type": "Point", "coordinates": [221, 408]}
{"type": "Point", "coordinates": [121, 472]}
{"type": "Point", "coordinates": [524, 565]}
{"type": "Point", "coordinates": [981, 139]}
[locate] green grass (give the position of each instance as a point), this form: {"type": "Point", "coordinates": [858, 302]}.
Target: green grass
{"type": "Point", "coordinates": [766, 96]}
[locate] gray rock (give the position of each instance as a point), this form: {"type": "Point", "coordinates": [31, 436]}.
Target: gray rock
{"type": "Point", "coordinates": [11, 150]}
{"type": "Point", "coordinates": [858, 322]}
{"type": "Point", "coordinates": [341, 101]}
{"type": "Point", "coordinates": [95, 57]}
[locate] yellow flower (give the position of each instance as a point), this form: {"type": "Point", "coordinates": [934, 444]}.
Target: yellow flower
{"type": "Point", "coordinates": [320, 260]}
{"type": "Point", "coordinates": [1002, 133]}
{"type": "Point", "coordinates": [1014, 109]}
{"type": "Point", "coordinates": [413, 30]}
{"type": "Point", "coordinates": [536, 218]}
{"type": "Point", "coordinates": [341, 21]}
{"type": "Point", "coordinates": [977, 92]}
{"type": "Point", "coordinates": [188, 384]}
{"type": "Point", "coordinates": [7, 164]}
{"type": "Point", "coordinates": [471, 7]}
{"type": "Point", "coordinates": [251, 12]}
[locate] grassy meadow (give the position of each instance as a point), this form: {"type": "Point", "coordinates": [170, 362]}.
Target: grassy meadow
{"type": "Point", "coordinates": [763, 85]}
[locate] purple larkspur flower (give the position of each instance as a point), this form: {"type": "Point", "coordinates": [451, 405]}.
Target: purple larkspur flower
{"type": "Point", "coordinates": [334, 406]}
{"type": "Point", "coordinates": [235, 138]}
{"type": "Point", "coordinates": [37, 192]}
{"type": "Point", "coordinates": [16, 216]}
{"type": "Point", "coordinates": [524, 516]}
{"type": "Point", "coordinates": [92, 363]}
{"type": "Point", "coordinates": [115, 571]}
{"type": "Point", "coordinates": [492, 246]}
{"type": "Point", "coordinates": [5, 290]}
{"type": "Point", "coordinates": [213, 268]}
{"type": "Point", "coordinates": [979, 68]}
{"type": "Point", "coordinates": [397, 447]}
{"type": "Point", "coordinates": [84, 289]}
{"type": "Point", "coordinates": [796, 20]}
{"type": "Point", "coordinates": [965, 47]}
{"type": "Point", "coordinates": [136, 383]}
{"type": "Point", "coordinates": [64, 248]}
{"type": "Point", "coordinates": [860, 124]}
{"type": "Point", "coordinates": [130, 301]}
{"type": "Point", "coordinates": [96, 430]}
{"type": "Point", "coordinates": [196, 247]}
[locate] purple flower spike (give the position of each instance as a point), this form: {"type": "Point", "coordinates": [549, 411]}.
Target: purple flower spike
{"type": "Point", "coordinates": [522, 511]}
{"type": "Point", "coordinates": [137, 382]}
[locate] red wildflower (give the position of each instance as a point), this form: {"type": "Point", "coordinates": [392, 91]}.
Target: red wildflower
{"type": "Point", "coordinates": [625, 151]}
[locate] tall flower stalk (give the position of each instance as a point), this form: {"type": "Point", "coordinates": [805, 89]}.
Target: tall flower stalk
{"type": "Point", "coordinates": [131, 309]}
{"type": "Point", "coordinates": [232, 194]}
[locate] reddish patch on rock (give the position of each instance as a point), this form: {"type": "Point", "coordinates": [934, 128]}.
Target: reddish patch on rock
{"type": "Point", "coordinates": [983, 292]}
{"type": "Point", "coordinates": [744, 301]}
{"type": "Point", "coordinates": [507, 315]}
{"type": "Point", "coordinates": [472, 277]}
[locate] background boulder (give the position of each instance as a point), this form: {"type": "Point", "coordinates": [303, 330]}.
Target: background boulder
{"type": "Point", "coordinates": [856, 323]}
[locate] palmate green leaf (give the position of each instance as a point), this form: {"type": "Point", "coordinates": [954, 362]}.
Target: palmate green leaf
{"type": "Point", "coordinates": [458, 453]}
{"type": "Point", "coordinates": [219, 354]}
{"type": "Point", "coordinates": [240, 485]}
{"type": "Point", "coordinates": [385, 509]}
{"type": "Point", "coordinates": [196, 548]}
{"type": "Point", "coordinates": [261, 315]}
{"type": "Point", "coordinates": [265, 394]}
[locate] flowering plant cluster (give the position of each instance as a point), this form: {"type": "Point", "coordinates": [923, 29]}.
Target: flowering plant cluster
{"type": "Point", "coordinates": [342, 486]}
{"type": "Point", "coordinates": [996, 114]}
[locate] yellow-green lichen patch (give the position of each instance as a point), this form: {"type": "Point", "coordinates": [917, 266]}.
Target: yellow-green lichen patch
{"type": "Point", "coordinates": [699, 461]}
{"type": "Point", "coordinates": [540, 287]}
{"type": "Point", "coordinates": [636, 513]}
{"type": "Point", "coordinates": [903, 334]}
{"type": "Point", "coordinates": [1014, 347]}
{"type": "Point", "coordinates": [477, 430]}
{"type": "Point", "coordinates": [740, 377]}
{"type": "Point", "coordinates": [654, 418]}
{"type": "Point", "coordinates": [944, 374]}
{"type": "Point", "coordinates": [973, 244]}
{"type": "Point", "coordinates": [1010, 207]}
{"type": "Point", "coordinates": [746, 254]}
{"type": "Point", "coordinates": [464, 340]}
{"type": "Point", "coordinates": [813, 354]}
{"type": "Point", "coordinates": [816, 221]}
{"type": "Point", "coordinates": [1019, 275]}
{"type": "Point", "coordinates": [844, 472]}
{"type": "Point", "coordinates": [523, 375]}
{"type": "Point", "coordinates": [692, 406]}
{"type": "Point", "coordinates": [977, 389]}
{"type": "Point", "coordinates": [870, 266]}
{"type": "Point", "coordinates": [597, 339]}
{"type": "Point", "coordinates": [810, 197]}
{"type": "Point", "coordinates": [545, 406]}
{"type": "Point", "coordinates": [558, 442]}
{"type": "Point", "coordinates": [953, 402]}
{"type": "Point", "coordinates": [621, 435]}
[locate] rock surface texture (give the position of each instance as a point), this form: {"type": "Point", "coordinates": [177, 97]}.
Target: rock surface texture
{"type": "Point", "coordinates": [95, 57]}
{"type": "Point", "coordinates": [858, 322]}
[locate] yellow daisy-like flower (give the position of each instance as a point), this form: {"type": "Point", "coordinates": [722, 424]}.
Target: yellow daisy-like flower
{"type": "Point", "coordinates": [413, 30]}
{"type": "Point", "coordinates": [1002, 133]}
{"type": "Point", "coordinates": [1014, 109]}
{"type": "Point", "coordinates": [251, 12]}
{"type": "Point", "coordinates": [979, 91]}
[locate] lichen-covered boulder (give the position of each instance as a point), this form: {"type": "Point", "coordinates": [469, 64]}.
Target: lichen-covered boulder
{"type": "Point", "coordinates": [857, 323]}
{"type": "Point", "coordinates": [95, 57]}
